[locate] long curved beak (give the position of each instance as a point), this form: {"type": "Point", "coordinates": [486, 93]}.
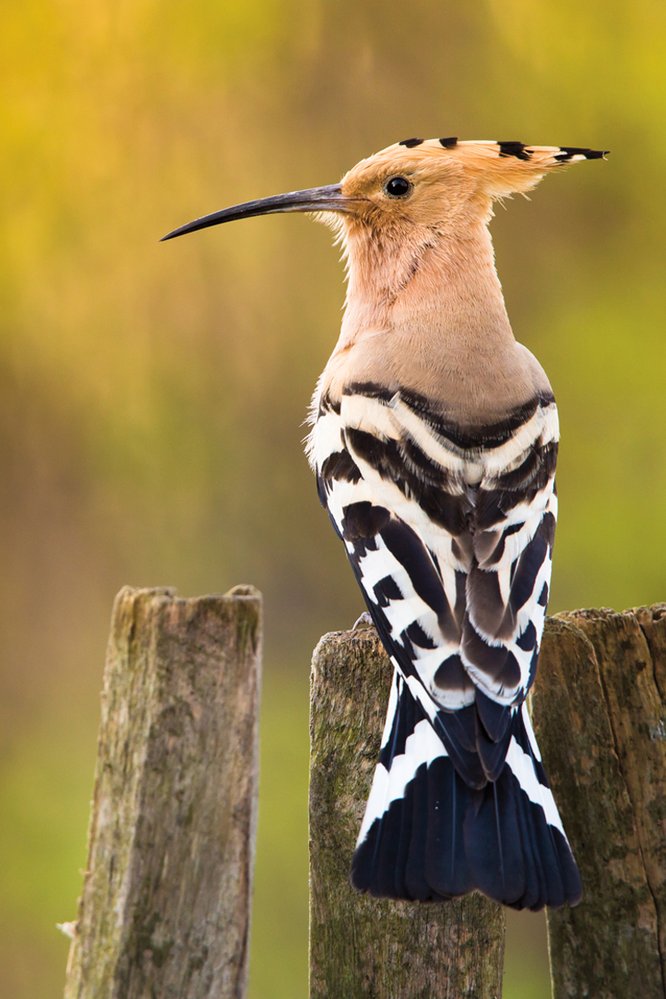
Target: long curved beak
{"type": "Point", "coordinates": [314, 199]}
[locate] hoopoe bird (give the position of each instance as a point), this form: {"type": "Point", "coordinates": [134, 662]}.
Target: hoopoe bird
{"type": "Point", "coordinates": [434, 439]}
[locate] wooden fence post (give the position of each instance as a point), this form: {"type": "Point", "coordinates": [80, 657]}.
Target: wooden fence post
{"type": "Point", "coordinates": [361, 947]}
{"type": "Point", "coordinates": [599, 715]}
{"type": "Point", "coordinates": [166, 896]}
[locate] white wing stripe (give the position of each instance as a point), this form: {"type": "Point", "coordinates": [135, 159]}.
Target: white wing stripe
{"type": "Point", "coordinates": [325, 438]}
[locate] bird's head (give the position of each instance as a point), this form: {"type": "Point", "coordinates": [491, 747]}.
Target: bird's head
{"type": "Point", "coordinates": [432, 185]}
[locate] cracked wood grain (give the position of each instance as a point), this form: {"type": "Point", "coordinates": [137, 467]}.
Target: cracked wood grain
{"type": "Point", "coordinates": [599, 714]}
{"type": "Point", "coordinates": [362, 947]}
{"type": "Point", "coordinates": [165, 905]}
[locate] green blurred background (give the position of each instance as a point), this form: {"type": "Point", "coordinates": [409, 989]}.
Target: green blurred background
{"type": "Point", "coordinates": [151, 396]}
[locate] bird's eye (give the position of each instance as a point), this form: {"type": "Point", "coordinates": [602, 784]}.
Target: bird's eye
{"type": "Point", "coordinates": [397, 187]}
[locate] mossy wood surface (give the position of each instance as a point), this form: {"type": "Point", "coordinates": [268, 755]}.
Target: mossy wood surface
{"type": "Point", "coordinates": [164, 912]}
{"type": "Point", "coordinates": [598, 708]}
{"type": "Point", "coordinates": [361, 947]}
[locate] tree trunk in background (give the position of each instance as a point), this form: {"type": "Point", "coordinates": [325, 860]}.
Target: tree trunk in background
{"type": "Point", "coordinates": [599, 714]}
{"type": "Point", "coordinates": [166, 895]}
{"type": "Point", "coordinates": [362, 947]}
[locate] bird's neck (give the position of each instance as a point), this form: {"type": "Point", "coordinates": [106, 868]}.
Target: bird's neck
{"type": "Point", "coordinates": [446, 287]}
{"type": "Point", "coordinates": [432, 319]}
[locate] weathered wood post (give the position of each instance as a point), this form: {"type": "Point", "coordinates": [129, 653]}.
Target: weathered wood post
{"type": "Point", "coordinates": [600, 720]}
{"type": "Point", "coordinates": [361, 947]}
{"type": "Point", "coordinates": [166, 896]}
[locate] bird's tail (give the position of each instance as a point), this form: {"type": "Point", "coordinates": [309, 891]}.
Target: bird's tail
{"type": "Point", "coordinates": [427, 835]}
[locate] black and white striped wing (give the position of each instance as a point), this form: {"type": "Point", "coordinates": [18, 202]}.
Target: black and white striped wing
{"type": "Point", "coordinates": [455, 572]}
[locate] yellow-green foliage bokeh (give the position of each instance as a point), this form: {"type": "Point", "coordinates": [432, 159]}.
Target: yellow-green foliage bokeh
{"type": "Point", "coordinates": [151, 396]}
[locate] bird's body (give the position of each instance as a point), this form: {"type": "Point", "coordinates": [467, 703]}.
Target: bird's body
{"type": "Point", "coordinates": [434, 440]}
{"type": "Point", "coordinates": [449, 527]}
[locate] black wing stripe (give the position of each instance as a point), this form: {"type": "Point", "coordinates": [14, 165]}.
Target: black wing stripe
{"type": "Point", "coordinates": [438, 494]}
{"type": "Point", "coordinates": [405, 545]}
{"type": "Point", "coordinates": [340, 465]}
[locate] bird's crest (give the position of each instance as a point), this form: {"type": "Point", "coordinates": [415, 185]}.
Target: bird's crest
{"type": "Point", "coordinates": [500, 168]}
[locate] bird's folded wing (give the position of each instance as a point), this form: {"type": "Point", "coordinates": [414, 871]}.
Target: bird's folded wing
{"type": "Point", "coordinates": [455, 574]}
